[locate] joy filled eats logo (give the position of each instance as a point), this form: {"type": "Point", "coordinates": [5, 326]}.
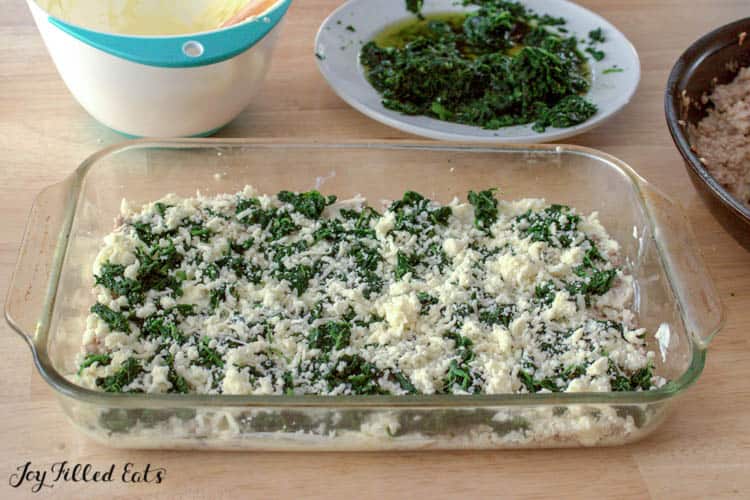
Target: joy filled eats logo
{"type": "Point", "coordinates": [65, 472]}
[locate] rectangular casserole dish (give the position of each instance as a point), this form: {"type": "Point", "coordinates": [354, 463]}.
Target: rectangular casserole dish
{"type": "Point", "coordinates": [51, 292]}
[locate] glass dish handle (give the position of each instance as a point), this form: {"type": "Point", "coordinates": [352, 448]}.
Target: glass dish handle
{"type": "Point", "coordinates": [687, 271]}
{"type": "Point", "coordinates": [35, 277]}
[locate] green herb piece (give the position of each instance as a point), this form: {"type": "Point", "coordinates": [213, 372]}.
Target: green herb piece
{"type": "Point", "coordinates": [185, 309]}
{"type": "Point", "coordinates": [288, 383]}
{"type": "Point", "coordinates": [200, 232]}
{"type": "Point", "coordinates": [161, 208]}
{"type": "Point", "coordinates": [485, 209]}
{"type": "Point", "coordinates": [409, 210]}
{"type": "Point", "coordinates": [497, 315]}
{"type": "Point", "coordinates": [351, 28]}
{"type": "Point", "coordinates": [415, 7]}
{"type": "Point", "coordinates": [144, 233]}
{"type": "Point", "coordinates": [591, 256]}
{"type": "Point", "coordinates": [250, 212]}
{"type": "Point", "coordinates": [555, 225]}
{"type": "Point", "coordinates": [310, 204]}
{"type": "Point", "coordinates": [405, 264]}
{"type": "Point", "coordinates": [215, 297]}
{"type": "Point", "coordinates": [595, 281]}
{"type": "Point", "coordinates": [242, 247]}
{"type": "Point", "coordinates": [570, 111]}
{"type": "Point", "coordinates": [596, 36]}
{"type": "Point", "coordinates": [459, 373]}
{"type": "Point", "coordinates": [179, 384]}
{"type": "Point", "coordinates": [367, 261]}
{"type": "Point", "coordinates": [573, 371]}
{"type": "Point", "coordinates": [333, 335]}
{"type": "Point", "coordinates": [365, 258]}
{"type": "Point", "coordinates": [426, 300]}
{"type": "Point", "coordinates": [545, 293]}
{"type": "Point", "coordinates": [329, 230]}
{"type": "Point", "coordinates": [460, 311]}
{"type": "Point", "coordinates": [405, 383]}
{"type": "Point", "coordinates": [361, 375]}
{"type": "Point", "coordinates": [613, 69]}
{"type": "Point", "coordinates": [243, 268]}
{"type": "Point", "coordinates": [162, 327]}
{"type": "Point", "coordinates": [597, 54]}
{"type": "Point", "coordinates": [641, 379]}
{"type": "Point", "coordinates": [362, 221]}
{"type": "Point", "coordinates": [125, 375]}
{"type": "Point", "coordinates": [208, 356]}
{"type": "Point", "coordinates": [441, 215]}
{"type": "Point", "coordinates": [90, 359]}
{"type": "Point", "coordinates": [212, 271]}
{"type": "Point", "coordinates": [281, 225]}
{"type": "Point", "coordinates": [116, 321]}
{"type": "Point", "coordinates": [533, 385]}
{"type": "Point", "coordinates": [111, 276]}
{"type": "Point", "coordinates": [298, 277]}
{"type": "Point", "coordinates": [155, 266]}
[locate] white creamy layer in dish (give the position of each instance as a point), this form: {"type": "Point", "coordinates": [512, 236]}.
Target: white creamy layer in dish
{"type": "Point", "coordinates": [300, 294]}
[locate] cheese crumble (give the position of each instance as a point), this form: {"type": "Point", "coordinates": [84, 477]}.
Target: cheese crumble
{"type": "Point", "coordinates": [299, 293]}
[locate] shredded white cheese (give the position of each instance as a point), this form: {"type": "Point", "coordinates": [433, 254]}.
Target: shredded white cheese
{"type": "Point", "coordinates": [252, 294]}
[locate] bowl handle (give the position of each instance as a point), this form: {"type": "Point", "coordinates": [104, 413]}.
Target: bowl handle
{"type": "Point", "coordinates": [34, 282]}
{"type": "Point", "coordinates": [686, 270]}
{"type": "Point", "coordinates": [187, 51]}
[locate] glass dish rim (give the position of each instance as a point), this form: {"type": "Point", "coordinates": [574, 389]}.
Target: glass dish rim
{"type": "Point", "coordinates": [65, 387]}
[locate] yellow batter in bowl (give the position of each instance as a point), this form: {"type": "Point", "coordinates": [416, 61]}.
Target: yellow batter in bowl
{"type": "Point", "coordinates": [144, 17]}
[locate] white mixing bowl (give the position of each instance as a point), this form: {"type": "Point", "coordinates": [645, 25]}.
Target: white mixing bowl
{"type": "Point", "coordinates": [163, 86]}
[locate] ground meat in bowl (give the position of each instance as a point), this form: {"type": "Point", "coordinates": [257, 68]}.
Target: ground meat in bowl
{"type": "Point", "coordinates": [722, 138]}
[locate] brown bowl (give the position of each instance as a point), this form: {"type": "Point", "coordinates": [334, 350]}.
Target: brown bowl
{"type": "Point", "coordinates": [712, 60]}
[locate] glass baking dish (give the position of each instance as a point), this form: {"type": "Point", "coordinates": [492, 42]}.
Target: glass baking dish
{"type": "Point", "coordinates": [51, 292]}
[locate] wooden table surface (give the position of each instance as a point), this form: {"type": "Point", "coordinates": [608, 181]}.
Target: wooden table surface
{"type": "Point", "coordinates": [701, 450]}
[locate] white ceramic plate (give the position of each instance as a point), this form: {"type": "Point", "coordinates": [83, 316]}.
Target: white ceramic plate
{"type": "Point", "coordinates": [337, 49]}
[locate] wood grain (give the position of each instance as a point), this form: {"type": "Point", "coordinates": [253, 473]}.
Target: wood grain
{"type": "Point", "coordinates": [702, 450]}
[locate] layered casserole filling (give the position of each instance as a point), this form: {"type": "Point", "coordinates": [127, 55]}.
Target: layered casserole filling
{"type": "Point", "coordinates": [299, 293]}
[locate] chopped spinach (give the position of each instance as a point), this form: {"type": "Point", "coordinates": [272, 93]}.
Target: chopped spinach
{"type": "Point", "coordinates": [162, 327]}
{"type": "Point", "coordinates": [361, 375]}
{"type": "Point", "coordinates": [156, 263]}
{"type": "Point", "coordinates": [208, 356]}
{"type": "Point", "coordinates": [497, 66]}
{"type": "Point", "coordinates": [310, 204]}
{"type": "Point", "coordinates": [116, 321]}
{"type": "Point", "coordinates": [111, 276]}
{"type": "Point", "coordinates": [405, 383]}
{"type": "Point", "coordinates": [497, 315]}
{"type": "Point", "coordinates": [179, 384]}
{"type": "Point", "coordinates": [485, 208]}
{"type": "Point", "coordinates": [640, 379]}
{"type": "Point", "coordinates": [405, 264]}
{"type": "Point", "coordinates": [459, 372]}
{"type": "Point", "coordinates": [555, 225]}
{"type": "Point", "coordinates": [426, 300]}
{"type": "Point", "coordinates": [597, 54]}
{"type": "Point", "coordinates": [333, 335]}
{"type": "Point", "coordinates": [597, 36]}
{"type": "Point", "coordinates": [126, 374]}
{"type": "Point", "coordinates": [415, 6]}
{"type": "Point", "coordinates": [533, 385]}
{"type": "Point", "coordinates": [90, 359]}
